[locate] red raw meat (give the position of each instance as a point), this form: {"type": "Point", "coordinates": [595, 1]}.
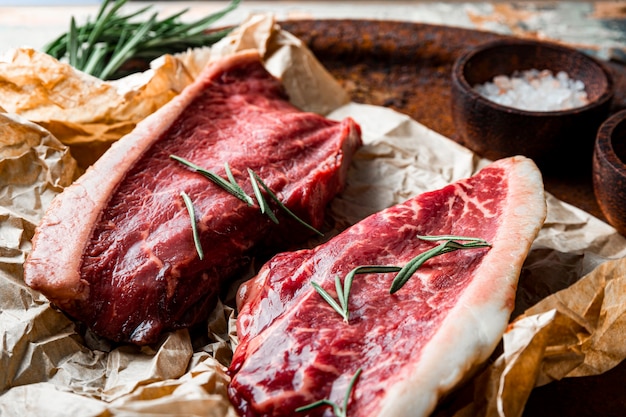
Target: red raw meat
{"type": "Point", "coordinates": [412, 346]}
{"type": "Point", "coordinates": [115, 250]}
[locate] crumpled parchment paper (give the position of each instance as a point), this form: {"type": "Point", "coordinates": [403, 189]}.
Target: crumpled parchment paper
{"type": "Point", "coordinates": [82, 111]}
{"type": "Point", "coordinates": [49, 365]}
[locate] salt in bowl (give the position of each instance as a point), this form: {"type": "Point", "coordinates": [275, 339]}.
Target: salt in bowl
{"type": "Point", "coordinates": [556, 140]}
{"type": "Point", "coordinates": [609, 170]}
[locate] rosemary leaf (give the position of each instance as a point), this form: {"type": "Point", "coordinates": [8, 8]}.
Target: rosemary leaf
{"type": "Point", "coordinates": [282, 206]}
{"type": "Point", "coordinates": [346, 398]}
{"type": "Point", "coordinates": [435, 238]}
{"type": "Point", "coordinates": [232, 187]}
{"type": "Point", "coordinates": [147, 39]}
{"type": "Point", "coordinates": [194, 227]}
{"type": "Point", "coordinates": [94, 31]}
{"type": "Point", "coordinates": [73, 43]}
{"type": "Point", "coordinates": [231, 177]}
{"type": "Point", "coordinates": [342, 296]}
{"type": "Point", "coordinates": [329, 299]}
{"type": "Point", "coordinates": [343, 290]}
{"type": "Point", "coordinates": [94, 64]}
{"type": "Point", "coordinates": [319, 403]}
{"type": "Point", "coordinates": [363, 269]}
{"type": "Point", "coordinates": [104, 6]}
{"type": "Point", "coordinates": [413, 265]}
{"type": "Point", "coordinates": [265, 209]}
{"type": "Point", "coordinates": [450, 244]}
{"type": "Point", "coordinates": [240, 193]}
{"type": "Point", "coordinates": [337, 410]}
{"type": "Point", "coordinates": [126, 51]}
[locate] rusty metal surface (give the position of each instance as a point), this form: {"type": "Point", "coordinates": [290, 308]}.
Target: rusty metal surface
{"type": "Point", "coordinates": [406, 66]}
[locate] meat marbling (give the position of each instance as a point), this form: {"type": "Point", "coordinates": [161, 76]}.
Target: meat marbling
{"type": "Point", "coordinates": [115, 250]}
{"type": "Point", "coordinates": [413, 345]}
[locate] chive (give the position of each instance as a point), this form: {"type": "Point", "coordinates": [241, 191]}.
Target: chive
{"type": "Point", "coordinates": [194, 227]}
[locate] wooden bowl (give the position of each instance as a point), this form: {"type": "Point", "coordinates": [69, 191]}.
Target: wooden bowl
{"type": "Point", "coordinates": [556, 140]}
{"type": "Point", "coordinates": [609, 170]}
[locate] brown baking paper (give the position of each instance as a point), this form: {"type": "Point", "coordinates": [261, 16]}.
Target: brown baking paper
{"type": "Point", "coordinates": [578, 331]}
{"type": "Point", "coordinates": [82, 111]}
{"type": "Point", "coordinates": [50, 365]}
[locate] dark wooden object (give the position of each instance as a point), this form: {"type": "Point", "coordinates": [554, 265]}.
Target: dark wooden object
{"type": "Point", "coordinates": [407, 66]}
{"type": "Point", "coordinates": [558, 141]}
{"type": "Point", "coordinates": [609, 170]}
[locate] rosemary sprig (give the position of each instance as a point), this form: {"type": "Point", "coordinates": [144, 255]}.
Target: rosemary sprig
{"type": "Point", "coordinates": [436, 238]}
{"type": "Point", "coordinates": [255, 178]}
{"type": "Point", "coordinates": [450, 244]}
{"type": "Point", "coordinates": [265, 208]}
{"type": "Point", "coordinates": [235, 189]}
{"type": "Point", "coordinates": [102, 47]}
{"type": "Point", "coordinates": [343, 290]}
{"type": "Point", "coordinates": [230, 186]}
{"type": "Point", "coordinates": [337, 410]}
{"type": "Point", "coordinates": [194, 226]}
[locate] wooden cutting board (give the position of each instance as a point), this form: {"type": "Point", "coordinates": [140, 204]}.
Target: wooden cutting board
{"type": "Point", "coordinates": [407, 66]}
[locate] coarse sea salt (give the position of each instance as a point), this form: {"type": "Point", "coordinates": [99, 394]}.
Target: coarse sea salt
{"type": "Point", "coordinates": [535, 90]}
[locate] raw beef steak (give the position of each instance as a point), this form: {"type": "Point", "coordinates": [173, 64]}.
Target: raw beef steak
{"type": "Point", "coordinates": [413, 345]}
{"type": "Point", "coordinates": [116, 250]}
